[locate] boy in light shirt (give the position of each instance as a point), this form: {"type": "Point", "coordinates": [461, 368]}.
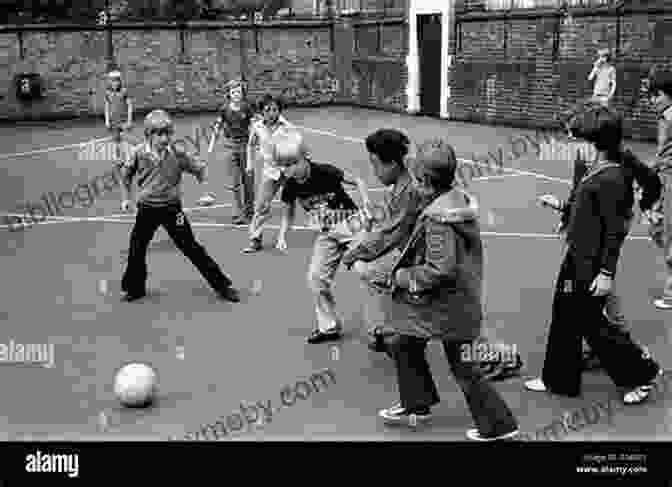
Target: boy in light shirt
{"type": "Point", "coordinates": [604, 76]}
{"type": "Point", "coordinates": [261, 147]}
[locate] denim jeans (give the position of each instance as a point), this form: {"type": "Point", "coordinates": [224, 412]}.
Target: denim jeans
{"type": "Point", "coordinates": [241, 180]}
{"type": "Point", "coordinates": [262, 211]}
{"type": "Point", "coordinates": [328, 251]}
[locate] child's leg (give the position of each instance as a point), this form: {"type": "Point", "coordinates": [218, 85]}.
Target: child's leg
{"type": "Point", "coordinates": [562, 364]}
{"type": "Point", "coordinates": [232, 161]}
{"type": "Point", "coordinates": [248, 184]}
{"type": "Point", "coordinates": [262, 212]}
{"type": "Point", "coordinates": [491, 414]}
{"type": "Point", "coordinates": [134, 280]}
{"type": "Point", "coordinates": [327, 254]}
{"type": "Point", "coordinates": [417, 389]}
{"type": "Point", "coordinates": [177, 225]}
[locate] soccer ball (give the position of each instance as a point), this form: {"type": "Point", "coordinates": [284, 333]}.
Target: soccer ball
{"type": "Point", "coordinates": [135, 385]}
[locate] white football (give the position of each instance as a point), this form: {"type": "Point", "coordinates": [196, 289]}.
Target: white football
{"type": "Point", "coordinates": [136, 385]}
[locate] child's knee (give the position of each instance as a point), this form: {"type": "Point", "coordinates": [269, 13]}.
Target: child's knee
{"type": "Point", "coordinates": [317, 282]}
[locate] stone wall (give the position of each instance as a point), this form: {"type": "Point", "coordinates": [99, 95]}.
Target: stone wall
{"type": "Point", "coordinates": [524, 67]}
{"type": "Point", "coordinates": [183, 69]}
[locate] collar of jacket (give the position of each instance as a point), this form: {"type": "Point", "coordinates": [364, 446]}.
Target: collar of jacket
{"type": "Point", "coordinates": [598, 168]}
{"type": "Point", "coordinates": [452, 207]}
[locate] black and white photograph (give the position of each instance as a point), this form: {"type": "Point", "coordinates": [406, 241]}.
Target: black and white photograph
{"type": "Point", "coordinates": [345, 224]}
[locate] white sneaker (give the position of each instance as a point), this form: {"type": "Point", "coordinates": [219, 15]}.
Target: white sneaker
{"type": "Point", "coordinates": [663, 304]}
{"type": "Point", "coordinates": [474, 434]}
{"type": "Point", "coordinates": [536, 385]}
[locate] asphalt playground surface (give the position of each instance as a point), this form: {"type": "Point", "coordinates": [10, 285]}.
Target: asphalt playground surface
{"type": "Point", "coordinates": [212, 355]}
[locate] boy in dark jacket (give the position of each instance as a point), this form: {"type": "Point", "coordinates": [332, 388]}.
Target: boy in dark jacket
{"type": "Point", "coordinates": [599, 220]}
{"type": "Point", "coordinates": [635, 171]}
{"type": "Point", "coordinates": [436, 293]}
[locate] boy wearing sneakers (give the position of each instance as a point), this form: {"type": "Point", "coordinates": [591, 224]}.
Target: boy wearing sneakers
{"type": "Point", "coordinates": [599, 220]}
{"type": "Point", "coordinates": [157, 166]}
{"type": "Point", "coordinates": [635, 171]}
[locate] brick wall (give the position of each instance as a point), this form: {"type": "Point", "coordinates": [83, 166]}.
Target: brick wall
{"type": "Point", "coordinates": [379, 73]}
{"type": "Point", "coordinates": [523, 68]}
{"type": "Point", "coordinates": [165, 66]}
{"type": "Point", "coordinates": [184, 69]}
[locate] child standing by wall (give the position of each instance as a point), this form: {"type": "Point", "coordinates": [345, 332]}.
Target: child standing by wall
{"type": "Point", "coordinates": [604, 77]}
{"type": "Point", "coordinates": [118, 113]}
{"type": "Point", "coordinates": [158, 166]}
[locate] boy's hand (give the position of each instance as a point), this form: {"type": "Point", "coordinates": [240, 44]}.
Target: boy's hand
{"type": "Point", "coordinates": [126, 206]}
{"type": "Point", "coordinates": [601, 285]}
{"type": "Point", "coordinates": [551, 201]}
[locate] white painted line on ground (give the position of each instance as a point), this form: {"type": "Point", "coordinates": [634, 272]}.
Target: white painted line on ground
{"type": "Point", "coordinates": [541, 236]}
{"type": "Point", "coordinates": [53, 149]}
{"type": "Point", "coordinates": [466, 161]}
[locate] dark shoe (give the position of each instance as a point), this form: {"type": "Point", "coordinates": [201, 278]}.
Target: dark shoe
{"type": "Point", "coordinates": [320, 336]}
{"type": "Point", "coordinates": [255, 246]}
{"type": "Point", "coordinates": [230, 294]}
{"type": "Point", "coordinates": [129, 298]}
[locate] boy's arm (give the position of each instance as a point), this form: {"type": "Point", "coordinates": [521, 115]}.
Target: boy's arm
{"type": "Point", "coordinates": [352, 180]}
{"type": "Point", "coordinates": [440, 261]}
{"type": "Point", "coordinates": [107, 113]}
{"type": "Point", "coordinates": [288, 215]}
{"type": "Point", "coordinates": [129, 113]}
{"type": "Point", "coordinates": [128, 170]}
{"type": "Point", "coordinates": [252, 143]}
{"type": "Point", "coordinates": [392, 234]}
{"type": "Point", "coordinates": [612, 82]}
{"type": "Point", "coordinates": [646, 179]}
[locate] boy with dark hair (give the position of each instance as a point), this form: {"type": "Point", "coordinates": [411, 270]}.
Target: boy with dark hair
{"type": "Point", "coordinates": [660, 96]}
{"type": "Point", "coordinates": [599, 220]}
{"type": "Point", "coordinates": [234, 122]}
{"type": "Point", "coordinates": [436, 293]}
{"type": "Point", "coordinates": [377, 250]}
{"type": "Point", "coordinates": [319, 188]}
{"type": "Point", "coordinates": [158, 166]}
{"type": "Point", "coordinates": [261, 145]}
{"type": "Point", "coordinates": [635, 171]}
